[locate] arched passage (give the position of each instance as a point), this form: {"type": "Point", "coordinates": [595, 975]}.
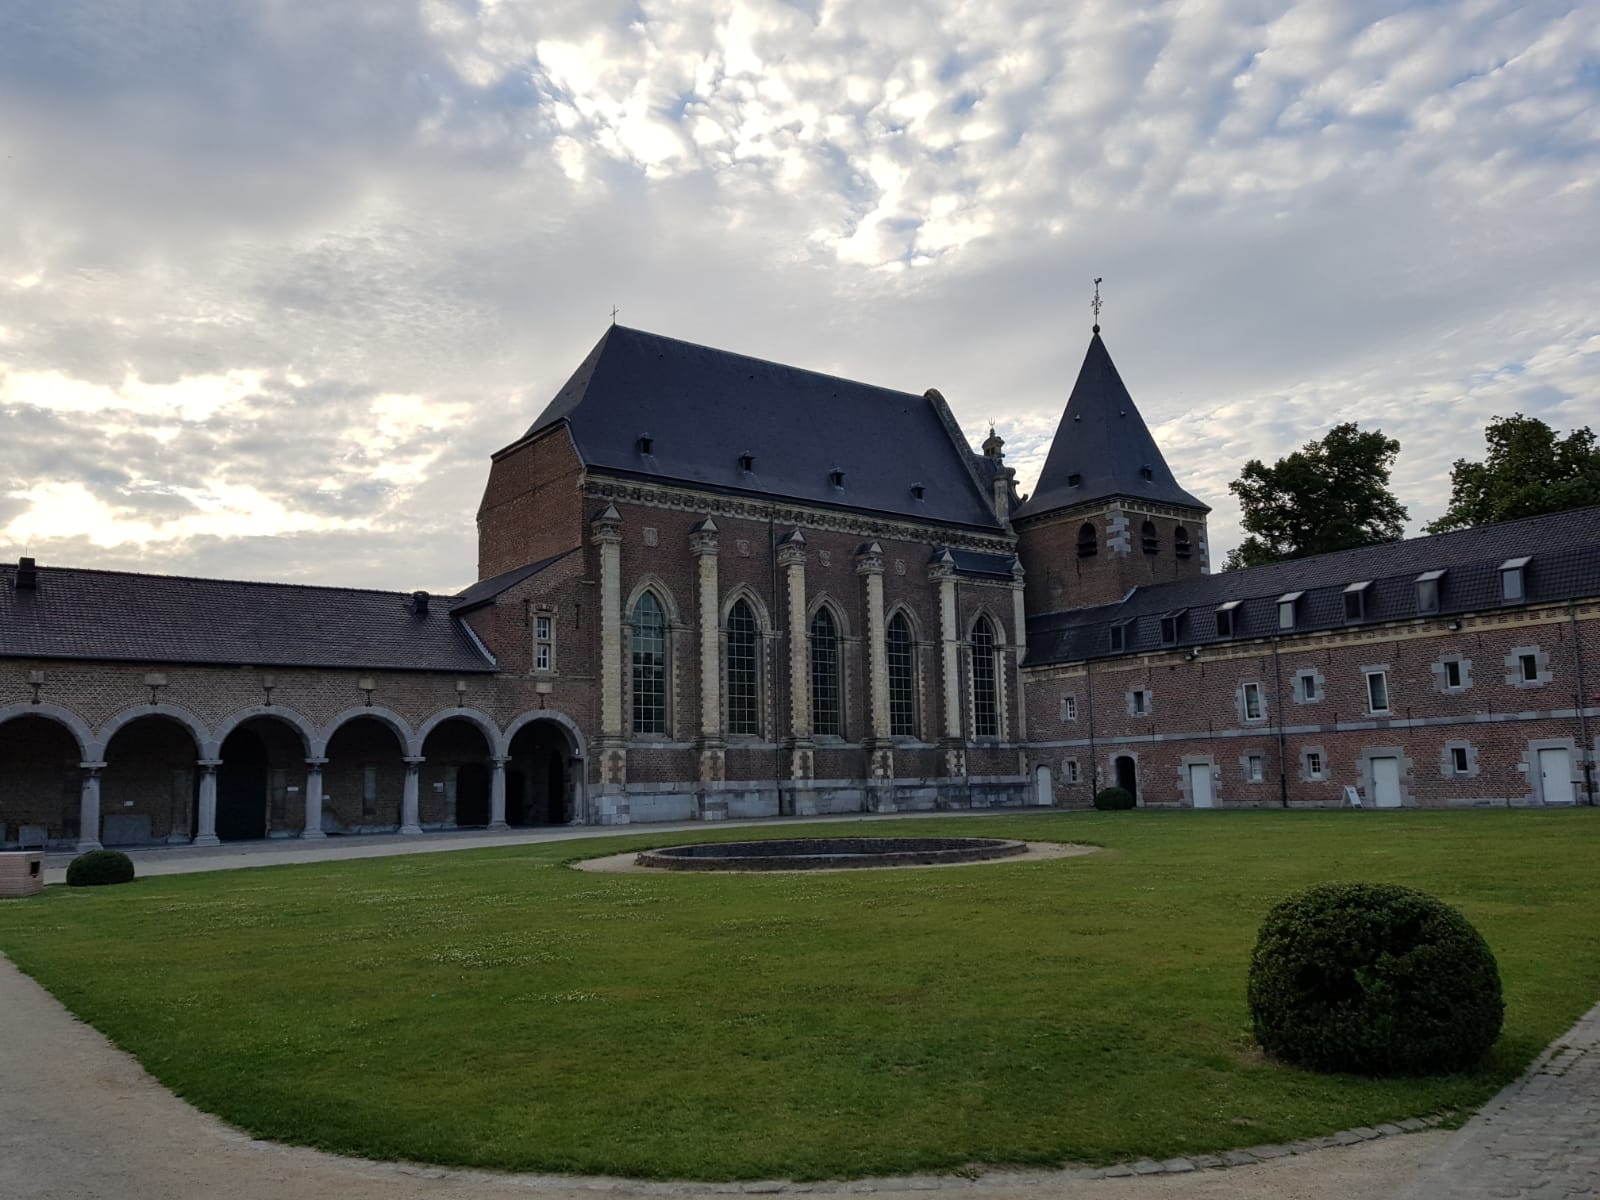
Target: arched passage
{"type": "Point", "coordinates": [150, 786]}
{"type": "Point", "coordinates": [261, 782]}
{"type": "Point", "coordinates": [456, 771]}
{"type": "Point", "coordinates": [542, 775]}
{"type": "Point", "coordinates": [41, 782]}
{"type": "Point", "coordinates": [1126, 771]}
{"type": "Point", "coordinates": [364, 779]}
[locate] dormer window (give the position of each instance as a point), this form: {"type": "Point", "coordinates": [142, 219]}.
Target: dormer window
{"type": "Point", "coordinates": [1428, 592]}
{"type": "Point", "coordinates": [1228, 618]}
{"type": "Point", "coordinates": [1513, 580]}
{"type": "Point", "coordinates": [645, 442]}
{"type": "Point", "coordinates": [1355, 601]}
{"type": "Point", "coordinates": [1171, 626]}
{"type": "Point", "coordinates": [1180, 542]}
{"type": "Point", "coordinates": [1088, 540]}
{"type": "Point", "coordinates": [836, 477]}
{"type": "Point", "coordinates": [918, 491]}
{"type": "Point", "coordinates": [747, 462]}
{"type": "Point", "coordinates": [1286, 606]}
{"type": "Point", "coordinates": [1149, 539]}
{"type": "Point", "coordinates": [1146, 474]}
{"type": "Point", "coordinates": [1122, 636]}
{"type": "Point", "coordinates": [1074, 480]}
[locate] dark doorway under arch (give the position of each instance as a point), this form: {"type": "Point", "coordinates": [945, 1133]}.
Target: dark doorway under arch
{"type": "Point", "coordinates": [1127, 771]}
{"type": "Point", "coordinates": [41, 784]}
{"type": "Point", "coordinates": [540, 784]}
{"type": "Point", "coordinates": [472, 794]}
{"type": "Point", "coordinates": [242, 787]}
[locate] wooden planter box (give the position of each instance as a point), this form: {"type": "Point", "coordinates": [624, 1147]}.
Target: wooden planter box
{"type": "Point", "coordinates": [21, 873]}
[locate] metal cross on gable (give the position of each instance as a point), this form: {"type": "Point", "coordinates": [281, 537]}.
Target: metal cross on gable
{"type": "Point", "coordinates": [1096, 304]}
{"type": "Point", "coordinates": [613, 314]}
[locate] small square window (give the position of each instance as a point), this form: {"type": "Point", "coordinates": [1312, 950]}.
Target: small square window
{"type": "Point", "coordinates": [1308, 687]}
{"type": "Point", "coordinates": [1377, 692]}
{"type": "Point", "coordinates": [1069, 708]}
{"type": "Point", "coordinates": [1255, 768]}
{"type": "Point", "coordinates": [1313, 764]}
{"type": "Point", "coordinates": [1139, 700]}
{"type": "Point", "coordinates": [1458, 759]}
{"type": "Point", "coordinates": [1252, 702]}
{"type": "Point", "coordinates": [1529, 665]}
{"type": "Point", "coordinates": [1452, 673]}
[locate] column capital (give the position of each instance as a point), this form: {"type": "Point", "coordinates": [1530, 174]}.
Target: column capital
{"type": "Point", "coordinates": [208, 765]}
{"type": "Point", "coordinates": [316, 764]}
{"type": "Point", "coordinates": [607, 526]}
{"type": "Point", "coordinates": [94, 768]}
{"type": "Point", "coordinates": [869, 559]}
{"type": "Point", "coordinates": [412, 762]}
{"type": "Point", "coordinates": [942, 565]}
{"type": "Point", "coordinates": [1017, 572]}
{"type": "Point", "coordinates": [703, 538]}
{"type": "Point", "coordinates": [792, 549]}
{"type": "Point", "coordinates": [499, 761]}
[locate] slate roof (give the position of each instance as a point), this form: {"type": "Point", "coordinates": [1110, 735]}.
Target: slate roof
{"type": "Point", "coordinates": [1565, 564]}
{"type": "Point", "coordinates": [984, 566]}
{"type": "Point", "coordinates": [485, 590]}
{"type": "Point", "coordinates": [704, 408]}
{"type": "Point", "coordinates": [1102, 444]}
{"type": "Point", "coordinates": [122, 616]}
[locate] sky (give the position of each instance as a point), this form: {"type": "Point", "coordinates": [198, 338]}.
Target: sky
{"type": "Point", "coordinates": [277, 277]}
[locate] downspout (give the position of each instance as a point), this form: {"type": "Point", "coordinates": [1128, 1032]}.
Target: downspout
{"type": "Point", "coordinates": [1283, 765]}
{"type": "Point", "coordinates": [780, 660]}
{"type": "Point", "coordinates": [1583, 720]}
{"type": "Point", "coordinates": [1094, 760]}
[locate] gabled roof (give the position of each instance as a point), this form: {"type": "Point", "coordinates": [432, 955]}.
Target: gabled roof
{"type": "Point", "coordinates": [1102, 447]}
{"type": "Point", "coordinates": [486, 590]}
{"type": "Point", "coordinates": [1564, 564]}
{"type": "Point", "coordinates": [122, 616]}
{"type": "Point", "coordinates": [704, 409]}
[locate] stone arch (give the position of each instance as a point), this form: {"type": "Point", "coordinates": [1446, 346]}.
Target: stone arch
{"type": "Point", "coordinates": [473, 716]}
{"type": "Point", "coordinates": [204, 743]}
{"type": "Point", "coordinates": [73, 723]}
{"type": "Point", "coordinates": [759, 610]}
{"type": "Point", "coordinates": [995, 624]}
{"type": "Point", "coordinates": [905, 610]}
{"type": "Point", "coordinates": [580, 747]}
{"type": "Point", "coordinates": [841, 621]}
{"type": "Point", "coordinates": [537, 784]}
{"type": "Point", "coordinates": [653, 583]}
{"type": "Point", "coordinates": [411, 745]}
{"type": "Point", "coordinates": [296, 721]}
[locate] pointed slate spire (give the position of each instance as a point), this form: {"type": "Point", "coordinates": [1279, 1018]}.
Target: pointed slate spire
{"type": "Point", "coordinates": [1102, 447]}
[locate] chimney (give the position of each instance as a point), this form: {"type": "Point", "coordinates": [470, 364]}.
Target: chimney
{"type": "Point", "coordinates": [27, 575]}
{"type": "Point", "coordinates": [419, 604]}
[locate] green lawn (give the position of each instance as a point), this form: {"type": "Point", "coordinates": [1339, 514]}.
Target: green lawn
{"type": "Point", "coordinates": [494, 1008]}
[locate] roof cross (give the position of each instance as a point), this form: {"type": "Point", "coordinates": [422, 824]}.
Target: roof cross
{"type": "Point", "coordinates": [614, 313]}
{"type": "Point", "coordinates": [1096, 304]}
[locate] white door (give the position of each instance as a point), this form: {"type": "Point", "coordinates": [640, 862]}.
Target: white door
{"type": "Point", "coordinates": [1555, 776]}
{"type": "Point", "coordinates": [1043, 794]}
{"type": "Point", "coordinates": [1200, 793]}
{"type": "Point", "coordinates": [1386, 782]}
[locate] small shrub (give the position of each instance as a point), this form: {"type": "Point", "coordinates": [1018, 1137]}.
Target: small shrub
{"type": "Point", "coordinates": [1113, 798]}
{"type": "Point", "coordinates": [1373, 979]}
{"type": "Point", "coordinates": [98, 867]}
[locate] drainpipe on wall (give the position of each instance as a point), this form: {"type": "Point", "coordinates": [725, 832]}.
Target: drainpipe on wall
{"type": "Point", "coordinates": [1094, 761]}
{"type": "Point", "coordinates": [779, 660]}
{"type": "Point", "coordinates": [1583, 696]}
{"type": "Point", "coordinates": [1283, 766]}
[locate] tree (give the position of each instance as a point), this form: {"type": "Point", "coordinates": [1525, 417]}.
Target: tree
{"type": "Point", "coordinates": [1327, 495]}
{"type": "Point", "coordinates": [1529, 471]}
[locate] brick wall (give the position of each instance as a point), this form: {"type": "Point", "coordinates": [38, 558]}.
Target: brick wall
{"type": "Point", "coordinates": [532, 506]}
{"type": "Point", "coordinates": [1057, 578]}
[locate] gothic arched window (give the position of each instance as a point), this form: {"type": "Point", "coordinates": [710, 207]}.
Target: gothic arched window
{"type": "Point", "coordinates": [985, 693]}
{"type": "Point", "coordinates": [1180, 542]}
{"type": "Point", "coordinates": [649, 666]}
{"type": "Point", "coordinates": [825, 675]}
{"type": "Point", "coordinates": [1088, 542]}
{"type": "Point", "coordinates": [1149, 538]}
{"type": "Point", "coordinates": [902, 677]}
{"type": "Point", "coordinates": [744, 707]}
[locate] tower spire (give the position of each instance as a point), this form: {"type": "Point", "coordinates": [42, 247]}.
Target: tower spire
{"type": "Point", "coordinates": [1096, 304]}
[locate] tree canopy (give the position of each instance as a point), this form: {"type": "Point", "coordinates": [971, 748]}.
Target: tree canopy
{"type": "Point", "coordinates": [1328, 495]}
{"type": "Point", "coordinates": [1528, 471]}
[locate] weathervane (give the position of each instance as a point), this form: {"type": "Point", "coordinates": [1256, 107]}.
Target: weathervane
{"type": "Point", "coordinates": [1096, 304]}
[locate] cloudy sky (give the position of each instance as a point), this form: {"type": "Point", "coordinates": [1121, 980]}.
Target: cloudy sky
{"type": "Point", "coordinates": [276, 277]}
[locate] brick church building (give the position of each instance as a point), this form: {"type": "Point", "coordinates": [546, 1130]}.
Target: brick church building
{"type": "Point", "coordinates": [712, 586]}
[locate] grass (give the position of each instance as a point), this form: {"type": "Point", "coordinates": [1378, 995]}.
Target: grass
{"type": "Point", "coordinates": [493, 1008]}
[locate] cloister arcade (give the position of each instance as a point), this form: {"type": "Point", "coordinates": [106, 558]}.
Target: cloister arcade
{"type": "Point", "coordinates": [156, 774]}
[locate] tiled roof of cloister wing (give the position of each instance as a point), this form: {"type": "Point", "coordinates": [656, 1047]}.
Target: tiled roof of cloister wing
{"type": "Point", "coordinates": [122, 616]}
{"type": "Point", "coordinates": [486, 590]}
{"type": "Point", "coordinates": [1563, 563]}
{"type": "Point", "coordinates": [655, 407]}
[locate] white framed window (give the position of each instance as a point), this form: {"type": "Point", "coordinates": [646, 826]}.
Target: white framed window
{"type": "Point", "coordinates": [1250, 702]}
{"type": "Point", "coordinates": [1452, 672]}
{"type": "Point", "coordinates": [1306, 683]}
{"type": "Point", "coordinates": [1286, 606]}
{"type": "Point", "coordinates": [1255, 768]}
{"type": "Point", "coordinates": [1428, 584]}
{"type": "Point", "coordinates": [1528, 667]}
{"type": "Point", "coordinates": [1069, 770]}
{"type": "Point", "coordinates": [1377, 692]}
{"type": "Point", "coordinates": [1138, 702]}
{"type": "Point", "coordinates": [1314, 764]}
{"type": "Point", "coordinates": [1458, 760]}
{"type": "Point", "coordinates": [1355, 601]}
{"type": "Point", "coordinates": [1069, 708]}
{"type": "Point", "coordinates": [544, 641]}
{"type": "Point", "coordinates": [1513, 583]}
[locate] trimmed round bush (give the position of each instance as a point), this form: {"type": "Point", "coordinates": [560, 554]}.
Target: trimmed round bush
{"type": "Point", "coordinates": [1113, 798]}
{"type": "Point", "coordinates": [96, 868]}
{"type": "Point", "coordinates": [1374, 979]}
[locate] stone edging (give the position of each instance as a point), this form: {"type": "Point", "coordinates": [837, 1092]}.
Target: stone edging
{"type": "Point", "coordinates": [999, 1177]}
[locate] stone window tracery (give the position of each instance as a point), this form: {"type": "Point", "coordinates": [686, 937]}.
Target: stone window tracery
{"type": "Point", "coordinates": [825, 715]}
{"type": "Point", "coordinates": [649, 666]}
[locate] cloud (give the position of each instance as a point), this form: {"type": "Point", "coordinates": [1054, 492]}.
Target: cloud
{"type": "Point", "coordinates": [275, 280]}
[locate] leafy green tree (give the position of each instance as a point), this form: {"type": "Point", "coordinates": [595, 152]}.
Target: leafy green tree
{"type": "Point", "coordinates": [1529, 471]}
{"type": "Point", "coordinates": [1327, 495]}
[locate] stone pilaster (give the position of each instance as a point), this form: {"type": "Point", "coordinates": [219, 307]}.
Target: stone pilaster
{"type": "Point", "coordinates": [206, 834]}
{"type": "Point", "coordinates": [942, 571]}
{"type": "Point", "coordinates": [610, 747]}
{"type": "Point", "coordinates": [713, 757]}
{"type": "Point", "coordinates": [409, 824]}
{"type": "Point", "coordinates": [313, 826]}
{"type": "Point", "coordinates": [792, 560]}
{"type": "Point", "coordinates": [89, 807]}
{"type": "Point", "coordinates": [880, 749]}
